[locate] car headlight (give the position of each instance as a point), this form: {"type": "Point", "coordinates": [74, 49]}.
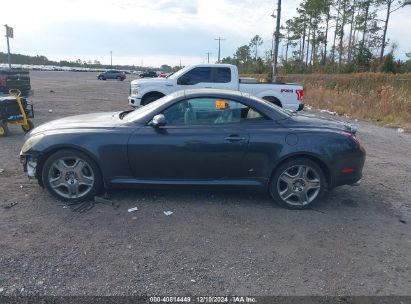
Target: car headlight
{"type": "Point", "coordinates": [134, 89]}
{"type": "Point", "coordinates": [31, 142]}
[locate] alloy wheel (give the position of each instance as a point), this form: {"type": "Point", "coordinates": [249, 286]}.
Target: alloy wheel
{"type": "Point", "coordinates": [299, 185]}
{"type": "Point", "coordinates": [71, 177]}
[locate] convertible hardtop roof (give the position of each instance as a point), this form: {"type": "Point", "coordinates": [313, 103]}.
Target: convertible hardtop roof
{"type": "Point", "coordinates": [214, 93]}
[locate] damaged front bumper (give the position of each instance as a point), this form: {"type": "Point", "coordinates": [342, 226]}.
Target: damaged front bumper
{"type": "Point", "coordinates": [29, 165]}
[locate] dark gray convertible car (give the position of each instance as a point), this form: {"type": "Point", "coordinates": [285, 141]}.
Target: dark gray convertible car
{"type": "Point", "coordinates": [196, 138]}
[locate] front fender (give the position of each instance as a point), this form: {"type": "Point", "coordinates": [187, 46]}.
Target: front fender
{"type": "Point", "coordinates": [108, 149]}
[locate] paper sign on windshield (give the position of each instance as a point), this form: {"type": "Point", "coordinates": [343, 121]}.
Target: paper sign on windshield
{"type": "Point", "coordinates": [220, 104]}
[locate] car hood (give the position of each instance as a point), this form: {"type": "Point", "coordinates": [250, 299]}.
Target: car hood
{"type": "Point", "coordinates": [85, 121]}
{"type": "Point", "coordinates": [152, 81]}
{"type": "Point", "coordinates": [308, 121]}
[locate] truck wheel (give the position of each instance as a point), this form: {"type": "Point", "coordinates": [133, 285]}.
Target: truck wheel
{"type": "Point", "coordinates": [150, 99]}
{"type": "Point", "coordinates": [273, 100]}
{"type": "Point", "coordinates": [29, 127]}
{"type": "Point", "coordinates": [4, 130]}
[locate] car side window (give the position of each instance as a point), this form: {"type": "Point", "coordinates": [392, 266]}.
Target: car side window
{"type": "Point", "coordinates": [196, 75]}
{"type": "Point", "coordinates": [222, 75]}
{"type": "Point", "coordinates": [210, 111]}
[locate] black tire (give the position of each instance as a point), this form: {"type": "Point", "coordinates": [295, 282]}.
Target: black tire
{"type": "Point", "coordinates": [4, 130]}
{"type": "Point", "coordinates": [89, 171]}
{"type": "Point", "coordinates": [119, 78]}
{"type": "Point", "coordinates": [30, 127]}
{"type": "Point", "coordinates": [150, 99]}
{"type": "Point", "coordinates": [273, 100]}
{"type": "Point", "coordinates": [297, 192]}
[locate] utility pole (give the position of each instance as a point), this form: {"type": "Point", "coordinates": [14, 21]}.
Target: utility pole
{"type": "Point", "coordinates": [111, 59]}
{"type": "Point", "coordinates": [277, 40]}
{"type": "Point", "coordinates": [208, 56]}
{"type": "Point", "coordinates": [9, 34]}
{"type": "Point", "coordinates": [219, 47]}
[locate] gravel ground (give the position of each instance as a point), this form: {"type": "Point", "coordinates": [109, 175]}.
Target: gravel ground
{"type": "Point", "coordinates": [356, 241]}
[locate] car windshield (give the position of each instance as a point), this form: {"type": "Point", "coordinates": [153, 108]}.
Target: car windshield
{"type": "Point", "coordinates": [140, 112]}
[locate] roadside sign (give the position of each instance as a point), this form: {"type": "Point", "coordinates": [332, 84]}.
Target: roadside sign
{"type": "Point", "coordinates": [9, 32]}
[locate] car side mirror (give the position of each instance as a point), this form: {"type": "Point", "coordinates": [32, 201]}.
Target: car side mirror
{"type": "Point", "coordinates": [184, 80]}
{"type": "Point", "coordinates": [158, 121]}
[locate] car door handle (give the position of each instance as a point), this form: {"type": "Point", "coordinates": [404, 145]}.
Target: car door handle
{"type": "Point", "coordinates": [235, 138]}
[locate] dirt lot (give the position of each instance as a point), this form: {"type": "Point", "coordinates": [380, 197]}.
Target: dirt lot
{"type": "Point", "coordinates": [355, 242]}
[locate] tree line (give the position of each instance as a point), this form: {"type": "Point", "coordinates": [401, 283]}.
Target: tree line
{"type": "Point", "coordinates": [331, 36]}
{"type": "Point", "coordinates": [95, 64]}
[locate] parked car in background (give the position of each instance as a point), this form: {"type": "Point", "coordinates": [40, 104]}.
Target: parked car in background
{"type": "Point", "coordinates": [148, 74]}
{"type": "Point", "coordinates": [198, 138]}
{"type": "Point", "coordinates": [15, 79]}
{"type": "Point", "coordinates": [162, 75]}
{"type": "Point", "coordinates": [112, 74]}
{"type": "Point", "coordinates": [217, 76]}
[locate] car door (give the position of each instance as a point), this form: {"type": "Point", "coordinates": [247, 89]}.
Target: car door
{"type": "Point", "coordinates": [201, 141]}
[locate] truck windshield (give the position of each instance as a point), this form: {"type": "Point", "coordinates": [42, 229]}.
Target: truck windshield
{"type": "Point", "coordinates": [179, 73]}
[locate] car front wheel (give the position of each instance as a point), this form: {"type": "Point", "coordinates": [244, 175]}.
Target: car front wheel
{"type": "Point", "coordinates": [297, 184]}
{"type": "Point", "coordinates": [71, 176]}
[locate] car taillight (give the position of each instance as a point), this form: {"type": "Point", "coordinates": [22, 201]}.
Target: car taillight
{"type": "Point", "coordinates": [354, 139]}
{"type": "Point", "coordinates": [300, 94]}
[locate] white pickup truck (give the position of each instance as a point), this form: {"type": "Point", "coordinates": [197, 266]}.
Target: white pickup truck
{"type": "Point", "coordinates": [216, 76]}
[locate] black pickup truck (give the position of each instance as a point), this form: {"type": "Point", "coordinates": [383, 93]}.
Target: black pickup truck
{"type": "Point", "coordinates": [14, 79]}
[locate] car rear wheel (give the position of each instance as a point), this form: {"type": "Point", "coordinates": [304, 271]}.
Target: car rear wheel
{"type": "Point", "coordinates": [297, 184]}
{"type": "Point", "coordinates": [71, 176]}
{"type": "Point", "coordinates": [119, 78]}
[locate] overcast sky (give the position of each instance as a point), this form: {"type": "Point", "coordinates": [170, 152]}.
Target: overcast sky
{"type": "Point", "coordinates": [152, 32]}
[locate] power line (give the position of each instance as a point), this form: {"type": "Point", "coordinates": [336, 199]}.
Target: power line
{"type": "Point", "coordinates": [219, 46]}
